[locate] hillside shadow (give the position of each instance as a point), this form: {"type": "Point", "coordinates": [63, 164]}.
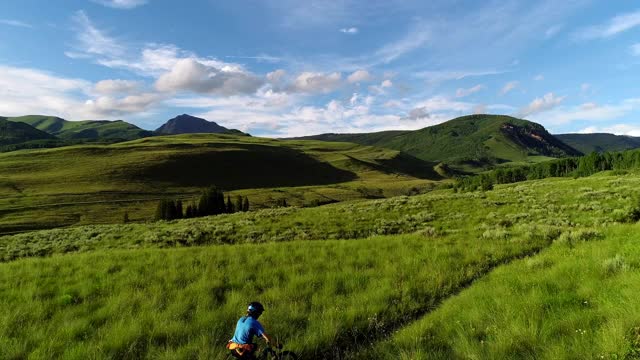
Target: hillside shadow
{"type": "Point", "coordinates": [243, 166]}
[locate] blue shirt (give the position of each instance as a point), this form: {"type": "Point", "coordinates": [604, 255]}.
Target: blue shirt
{"type": "Point", "coordinates": [246, 328]}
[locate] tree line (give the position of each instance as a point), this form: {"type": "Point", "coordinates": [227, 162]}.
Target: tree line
{"type": "Point", "coordinates": [211, 202]}
{"type": "Point", "coordinates": [575, 167]}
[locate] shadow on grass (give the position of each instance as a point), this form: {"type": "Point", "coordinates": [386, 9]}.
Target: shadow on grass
{"type": "Point", "coordinates": [243, 166]}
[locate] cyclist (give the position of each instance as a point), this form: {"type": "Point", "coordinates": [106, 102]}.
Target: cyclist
{"type": "Point", "coordinates": [241, 345]}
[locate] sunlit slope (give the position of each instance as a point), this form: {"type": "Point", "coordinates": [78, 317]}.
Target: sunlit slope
{"type": "Point", "coordinates": [476, 140]}
{"type": "Point", "coordinates": [95, 130]}
{"type": "Point", "coordinates": [181, 166]}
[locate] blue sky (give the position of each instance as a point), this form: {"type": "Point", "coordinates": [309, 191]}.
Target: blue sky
{"type": "Point", "coordinates": [290, 68]}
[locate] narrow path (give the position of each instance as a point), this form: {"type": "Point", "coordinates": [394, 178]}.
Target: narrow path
{"type": "Point", "coordinates": [349, 345]}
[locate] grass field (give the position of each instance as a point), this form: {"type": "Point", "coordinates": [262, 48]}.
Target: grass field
{"type": "Point", "coordinates": [409, 277]}
{"type": "Point", "coordinates": [93, 184]}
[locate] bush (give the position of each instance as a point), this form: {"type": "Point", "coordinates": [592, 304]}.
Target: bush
{"type": "Point", "coordinates": [613, 265]}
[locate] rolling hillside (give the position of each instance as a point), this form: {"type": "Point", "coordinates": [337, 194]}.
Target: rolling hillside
{"type": "Point", "coordinates": [588, 143]}
{"type": "Point", "coordinates": [14, 133]}
{"type": "Point", "coordinates": [87, 130]}
{"type": "Point", "coordinates": [98, 183]}
{"type": "Point", "coordinates": [475, 140]}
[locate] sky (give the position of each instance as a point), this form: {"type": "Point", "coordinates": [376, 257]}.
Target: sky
{"type": "Point", "coordinates": [281, 68]}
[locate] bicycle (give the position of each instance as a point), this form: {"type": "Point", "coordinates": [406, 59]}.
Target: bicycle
{"type": "Point", "coordinates": [272, 353]}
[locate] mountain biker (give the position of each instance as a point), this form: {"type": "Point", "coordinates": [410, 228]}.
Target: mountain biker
{"type": "Point", "coordinates": [241, 345]}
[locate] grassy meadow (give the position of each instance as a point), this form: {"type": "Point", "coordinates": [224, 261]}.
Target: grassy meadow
{"type": "Point", "coordinates": [539, 269]}
{"type": "Point", "coordinates": [97, 184]}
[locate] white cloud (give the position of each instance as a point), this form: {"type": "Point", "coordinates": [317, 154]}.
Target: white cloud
{"type": "Point", "coordinates": [276, 77]}
{"type": "Point", "coordinates": [393, 104]}
{"type": "Point", "coordinates": [386, 84]}
{"type": "Point", "coordinates": [480, 109]}
{"type": "Point", "coordinates": [311, 82]}
{"type": "Point", "coordinates": [538, 77]}
{"type": "Point", "coordinates": [618, 129]}
{"type": "Point", "coordinates": [192, 75]}
{"type": "Point", "coordinates": [442, 104]}
{"type": "Point", "coordinates": [613, 27]}
{"type": "Point", "coordinates": [466, 92]}
{"type": "Point", "coordinates": [441, 76]}
{"type": "Point", "coordinates": [552, 31]}
{"type": "Point", "coordinates": [31, 91]}
{"type": "Point", "coordinates": [418, 113]}
{"type": "Point", "coordinates": [359, 76]}
{"type": "Point", "coordinates": [589, 112]}
{"type": "Point", "coordinates": [417, 37]}
{"type": "Point", "coordinates": [538, 105]}
{"type": "Point", "coordinates": [93, 41]}
{"type": "Point", "coordinates": [113, 106]}
{"type": "Point", "coordinates": [508, 87]}
{"type": "Point", "coordinates": [116, 86]}
{"type": "Point", "coordinates": [635, 49]}
{"type": "Point", "coordinates": [121, 4]}
{"type": "Point", "coordinates": [16, 23]}
{"type": "Point", "coordinates": [351, 30]}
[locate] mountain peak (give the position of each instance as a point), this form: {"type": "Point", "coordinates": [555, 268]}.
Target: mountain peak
{"type": "Point", "coordinates": [188, 124]}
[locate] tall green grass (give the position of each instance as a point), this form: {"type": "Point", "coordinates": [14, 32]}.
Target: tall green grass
{"type": "Point", "coordinates": [322, 297]}
{"type": "Point", "coordinates": [573, 301]}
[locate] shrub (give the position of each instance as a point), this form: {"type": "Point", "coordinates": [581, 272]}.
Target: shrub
{"type": "Point", "coordinates": [613, 265]}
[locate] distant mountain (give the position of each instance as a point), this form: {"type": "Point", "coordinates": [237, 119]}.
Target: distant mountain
{"type": "Point", "coordinates": [474, 140]}
{"type": "Point", "coordinates": [187, 124]}
{"type": "Point", "coordinates": [86, 130]}
{"type": "Point", "coordinates": [588, 143]}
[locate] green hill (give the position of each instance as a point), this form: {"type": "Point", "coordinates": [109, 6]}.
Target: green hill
{"type": "Point", "coordinates": [16, 134]}
{"type": "Point", "coordinates": [588, 143]}
{"type": "Point", "coordinates": [475, 140]}
{"type": "Point", "coordinates": [98, 183]}
{"type": "Point", "coordinates": [86, 130]}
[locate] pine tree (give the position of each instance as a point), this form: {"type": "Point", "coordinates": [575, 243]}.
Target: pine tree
{"type": "Point", "coordinates": [238, 205]}
{"type": "Point", "coordinates": [125, 219]}
{"type": "Point", "coordinates": [245, 204]}
{"type": "Point", "coordinates": [179, 213]}
{"type": "Point", "coordinates": [229, 206]}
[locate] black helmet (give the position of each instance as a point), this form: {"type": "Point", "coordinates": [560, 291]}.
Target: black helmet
{"type": "Point", "coordinates": [255, 308]}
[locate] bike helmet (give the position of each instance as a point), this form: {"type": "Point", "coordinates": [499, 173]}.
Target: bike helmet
{"type": "Point", "coordinates": [255, 308]}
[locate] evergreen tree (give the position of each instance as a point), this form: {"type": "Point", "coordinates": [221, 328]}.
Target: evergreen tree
{"type": "Point", "coordinates": [245, 204]}
{"type": "Point", "coordinates": [238, 205]}
{"type": "Point", "coordinates": [125, 219]}
{"type": "Point", "coordinates": [179, 213]}
{"type": "Point", "coordinates": [229, 206]}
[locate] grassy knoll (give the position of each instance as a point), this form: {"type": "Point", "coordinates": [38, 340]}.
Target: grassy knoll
{"type": "Point", "coordinates": [89, 184]}
{"type": "Point", "coordinates": [469, 143]}
{"type": "Point", "coordinates": [575, 300]}
{"type": "Point", "coordinates": [321, 296]}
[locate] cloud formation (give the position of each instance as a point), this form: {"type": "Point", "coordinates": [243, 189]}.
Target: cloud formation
{"type": "Point", "coordinates": [121, 4]}
{"type": "Point", "coordinates": [16, 23]}
{"type": "Point", "coordinates": [192, 75]}
{"type": "Point", "coordinates": [359, 76]}
{"type": "Point", "coordinates": [538, 105]}
{"type": "Point", "coordinates": [117, 86]}
{"type": "Point", "coordinates": [618, 24]}
{"type": "Point", "coordinates": [351, 30]}
{"type": "Point", "coordinates": [312, 82]}
{"type": "Point", "coordinates": [466, 92]}
{"type": "Point", "coordinates": [508, 87]}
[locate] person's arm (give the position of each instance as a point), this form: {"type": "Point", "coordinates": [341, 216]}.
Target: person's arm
{"type": "Point", "coordinates": [266, 337]}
